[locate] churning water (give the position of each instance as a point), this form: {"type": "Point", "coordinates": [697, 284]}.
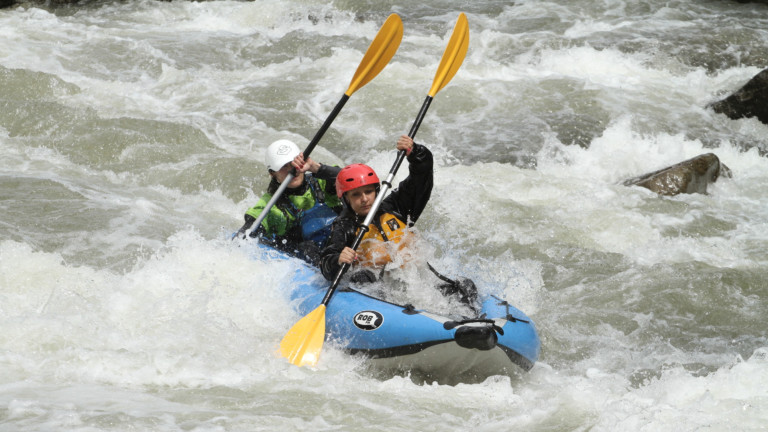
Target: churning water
{"type": "Point", "coordinates": [132, 137]}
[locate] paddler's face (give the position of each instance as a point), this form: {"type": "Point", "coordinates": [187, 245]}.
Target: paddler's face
{"type": "Point", "coordinates": [283, 173]}
{"type": "Point", "coordinates": [361, 199]}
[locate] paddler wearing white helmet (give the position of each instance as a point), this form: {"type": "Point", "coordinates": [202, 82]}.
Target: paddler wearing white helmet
{"type": "Point", "coordinates": [299, 221]}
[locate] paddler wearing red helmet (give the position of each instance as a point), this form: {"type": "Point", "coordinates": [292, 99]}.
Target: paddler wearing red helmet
{"type": "Point", "coordinates": [357, 186]}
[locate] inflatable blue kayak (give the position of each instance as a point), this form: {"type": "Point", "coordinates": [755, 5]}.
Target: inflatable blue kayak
{"type": "Point", "coordinates": [402, 339]}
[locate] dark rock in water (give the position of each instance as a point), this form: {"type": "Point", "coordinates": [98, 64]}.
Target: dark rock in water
{"type": "Point", "coordinates": [47, 4]}
{"type": "Point", "coordinates": [690, 176]}
{"type": "Point", "coordinates": [749, 101]}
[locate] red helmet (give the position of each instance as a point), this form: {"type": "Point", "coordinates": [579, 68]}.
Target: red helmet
{"type": "Point", "coordinates": [354, 176]}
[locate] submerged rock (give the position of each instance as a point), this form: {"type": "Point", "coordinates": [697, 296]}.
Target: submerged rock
{"type": "Point", "coordinates": [749, 101]}
{"type": "Point", "coordinates": [690, 176]}
{"type": "Point", "coordinates": [47, 4]}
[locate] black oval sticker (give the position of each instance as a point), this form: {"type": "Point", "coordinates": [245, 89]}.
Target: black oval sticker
{"type": "Point", "coordinates": [368, 320]}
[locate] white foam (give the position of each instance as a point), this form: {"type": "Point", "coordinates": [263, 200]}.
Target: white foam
{"type": "Point", "coordinates": [158, 319]}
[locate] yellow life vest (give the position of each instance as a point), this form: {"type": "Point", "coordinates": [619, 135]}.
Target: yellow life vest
{"type": "Point", "coordinates": [382, 241]}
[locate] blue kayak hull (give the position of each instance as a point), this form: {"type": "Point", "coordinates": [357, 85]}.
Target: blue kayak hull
{"type": "Point", "coordinates": [402, 339]}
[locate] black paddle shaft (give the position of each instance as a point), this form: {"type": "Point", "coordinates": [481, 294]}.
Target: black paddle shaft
{"type": "Point", "coordinates": [325, 126]}
{"type": "Point", "coordinates": [386, 184]}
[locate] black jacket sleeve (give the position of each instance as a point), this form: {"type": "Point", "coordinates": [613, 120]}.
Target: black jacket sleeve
{"type": "Point", "coordinates": [412, 194]}
{"type": "Point", "coordinates": [342, 235]}
{"type": "Point", "coordinates": [328, 172]}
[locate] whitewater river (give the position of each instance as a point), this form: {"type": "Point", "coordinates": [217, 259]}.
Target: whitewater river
{"type": "Point", "coordinates": [132, 137]}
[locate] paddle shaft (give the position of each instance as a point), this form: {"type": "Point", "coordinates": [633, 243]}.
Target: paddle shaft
{"type": "Point", "coordinates": [385, 186]}
{"type": "Point", "coordinates": [279, 192]}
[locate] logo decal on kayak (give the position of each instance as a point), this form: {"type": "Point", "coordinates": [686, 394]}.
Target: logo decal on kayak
{"type": "Point", "coordinates": [368, 320]}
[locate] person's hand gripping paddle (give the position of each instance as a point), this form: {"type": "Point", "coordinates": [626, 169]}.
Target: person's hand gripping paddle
{"type": "Point", "coordinates": [379, 53]}
{"type": "Point", "coordinates": [304, 341]}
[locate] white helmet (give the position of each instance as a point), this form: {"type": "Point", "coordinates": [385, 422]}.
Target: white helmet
{"type": "Point", "coordinates": [280, 153]}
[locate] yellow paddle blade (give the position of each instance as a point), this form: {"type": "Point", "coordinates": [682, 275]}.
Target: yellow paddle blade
{"type": "Point", "coordinates": [382, 49]}
{"type": "Point", "coordinates": [304, 341]}
{"type": "Point", "coordinates": [453, 56]}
